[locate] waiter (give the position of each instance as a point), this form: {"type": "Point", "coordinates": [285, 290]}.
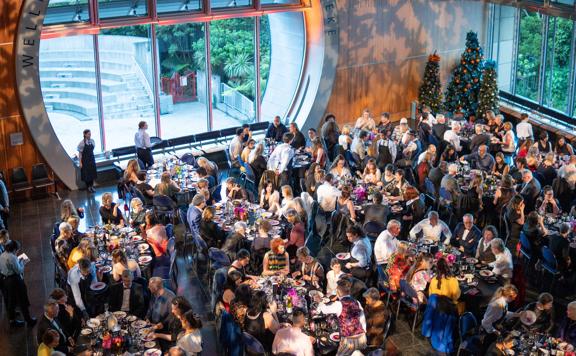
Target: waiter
{"type": "Point", "coordinates": [143, 145]}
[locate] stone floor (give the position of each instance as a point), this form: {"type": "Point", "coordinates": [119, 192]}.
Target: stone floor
{"type": "Point", "coordinates": [31, 223]}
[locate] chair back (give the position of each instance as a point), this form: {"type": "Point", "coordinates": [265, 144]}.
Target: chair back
{"type": "Point", "coordinates": [19, 176]}
{"type": "Point", "coordinates": [218, 258]}
{"type": "Point", "coordinates": [39, 171]}
{"type": "Point", "coordinates": [163, 202]}
{"type": "Point", "coordinates": [373, 228]}
{"type": "Point", "coordinates": [188, 158]}
{"type": "Point", "coordinates": [407, 290]}
{"type": "Point", "coordinates": [466, 324]}
{"type": "Point", "coordinates": [446, 195]}
{"type": "Point", "coordinates": [252, 346]}
{"type": "Point", "coordinates": [549, 262]}
{"type": "Point", "coordinates": [525, 245]}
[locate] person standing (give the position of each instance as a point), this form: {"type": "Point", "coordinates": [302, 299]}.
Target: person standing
{"type": "Point", "coordinates": [143, 145]}
{"type": "Point", "coordinates": [14, 288]}
{"type": "Point", "coordinates": [87, 161]}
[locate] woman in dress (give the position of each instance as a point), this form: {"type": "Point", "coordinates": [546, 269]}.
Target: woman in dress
{"type": "Point", "coordinates": [563, 148]}
{"type": "Point", "coordinates": [372, 174]}
{"type": "Point", "coordinates": [85, 249]}
{"type": "Point", "coordinates": [190, 340]}
{"type": "Point", "coordinates": [500, 168]}
{"type": "Point", "coordinates": [110, 212]}
{"type": "Point", "coordinates": [524, 148]}
{"type": "Point", "coordinates": [87, 161]}
{"type": "Point", "coordinates": [509, 139]}
{"type": "Point", "coordinates": [261, 320]}
{"type": "Point", "coordinates": [318, 153]}
{"type": "Point", "coordinates": [276, 261]}
{"type": "Point", "coordinates": [449, 155]}
{"type": "Point", "coordinates": [167, 331]}
{"type": "Point", "coordinates": [420, 274]}
{"type": "Point", "coordinates": [131, 172]}
{"type": "Point", "coordinates": [388, 178]}
{"type": "Point", "coordinates": [345, 140]}
{"type": "Point", "coordinates": [257, 162]}
{"type": "Point", "coordinates": [210, 231]}
{"type": "Point", "coordinates": [167, 186]}
{"type": "Point", "coordinates": [297, 233]}
{"type": "Point", "coordinates": [120, 263]}
{"type": "Point", "coordinates": [471, 201]}
{"type": "Point", "coordinates": [340, 168]}
{"type": "Point", "coordinates": [270, 198]}
{"type": "Point", "coordinates": [516, 219]}
{"type": "Point", "coordinates": [398, 265]}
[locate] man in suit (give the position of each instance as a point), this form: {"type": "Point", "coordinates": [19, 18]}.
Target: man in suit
{"type": "Point", "coordinates": [439, 128]}
{"type": "Point", "coordinates": [49, 321]}
{"type": "Point", "coordinates": [235, 241]}
{"type": "Point", "coordinates": [530, 190]}
{"type": "Point", "coordinates": [127, 296]}
{"type": "Point", "coordinates": [479, 138]}
{"type": "Point", "coordinates": [276, 130]}
{"type": "Point", "coordinates": [466, 235]}
{"type": "Point", "coordinates": [450, 183]}
{"type": "Point", "coordinates": [194, 214]}
{"type": "Point", "coordinates": [376, 213]}
{"type": "Point", "coordinates": [437, 173]}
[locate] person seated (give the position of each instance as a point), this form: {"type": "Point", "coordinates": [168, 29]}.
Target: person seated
{"type": "Point", "coordinates": [358, 146]}
{"type": "Point", "coordinates": [308, 268]}
{"type": "Point", "coordinates": [547, 203]}
{"type": "Point", "coordinates": [444, 283]}
{"type": "Point", "coordinates": [226, 294]}
{"type": "Point", "coordinates": [74, 222]}
{"type": "Point", "coordinates": [344, 203]}
{"type": "Point", "coordinates": [560, 246]}
{"type": "Point", "coordinates": [466, 235]}
{"type": "Point", "coordinates": [137, 214]}
{"type": "Point", "coordinates": [291, 340]}
{"type": "Point", "coordinates": [190, 339]}
{"type": "Point", "coordinates": [146, 189]}
{"type": "Point", "coordinates": [535, 231]}
{"type": "Point", "coordinates": [452, 136]}
{"type": "Point", "coordinates": [262, 240]}
{"type": "Point", "coordinates": [377, 315]}
{"type": "Point", "coordinates": [276, 130]}
{"type": "Point", "coordinates": [233, 191]}
{"type": "Point", "coordinates": [333, 276]}
{"type": "Point", "coordinates": [360, 253]}
{"type": "Point", "coordinates": [484, 250]}
{"type": "Point", "coordinates": [420, 274]}
{"type": "Point", "coordinates": [450, 183]}
{"type": "Point", "coordinates": [270, 198]}
{"type": "Point", "coordinates": [167, 186]}
{"type": "Point", "coordinates": [399, 187]}
{"type": "Point", "coordinates": [210, 231]}
{"type": "Point", "coordinates": [388, 178]}
{"type": "Point", "coordinates": [110, 212]}
{"type": "Point", "coordinates": [64, 244]}
{"type": "Point", "coordinates": [544, 310]}
{"type": "Point", "coordinates": [546, 170]}
{"type": "Point", "coordinates": [160, 303]}
{"type": "Point", "coordinates": [497, 312]}
{"type": "Point", "coordinates": [351, 318]}
{"type": "Point", "coordinates": [239, 264]}
{"type": "Point", "coordinates": [168, 330]}
{"type": "Point", "coordinates": [261, 321]}
{"type": "Point", "coordinates": [48, 322]}
{"type": "Point", "coordinates": [80, 278]}
{"type": "Point", "coordinates": [413, 211]}
{"type": "Point", "coordinates": [296, 234]}
{"type": "Point", "coordinates": [235, 242]}
{"type": "Point", "coordinates": [500, 168]}
{"type": "Point", "coordinates": [339, 168]}
{"type": "Point", "coordinates": [423, 169]}
{"type": "Point", "coordinates": [543, 144]}
{"type": "Point", "coordinates": [480, 160]}
{"type": "Point", "coordinates": [503, 265]}
{"type": "Point", "coordinates": [504, 192]}
{"type": "Point", "coordinates": [85, 249]}
{"type": "Point", "coordinates": [398, 265]}
{"type": "Point", "coordinates": [276, 261]}
{"type": "Point", "coordinates": [49, 341]}
{"type": "Point", "coordinates": [298, 139]}
{"type": "Point", "coordinates": [287, 200]}
{"type": "Point", "coordinates": [567, 328]}
{"type": "Point", "coordinates": [563, 148]}
{"type": "Point", "coordinates": [120, 263]}
{"type": "Point", "coordinates": [127, 296]}
{"type": "Point", "coordinates": [501, 347]}
{"type": "Point", "coordinates": [156, 235]}
{"type": "Point", "coordinates": [68, 318]}
{"type": "Point", "coordinates": [345, 139]}
{"type": "Point", "coordinates": [210, 167]}
{"type": "Point", "coordinates": [449, 155]}
{"type": "Point", "coordinates": [371, 174]}
{"type": "Point", "coordinates": [433, 229]}
{"type": "Point", "coordinates": [245, 155]}
{"type": "Point", "coordinates": [202, 189]}
{"type": "Point", "coordinates": [479, 138]}
{"type": "Point", "coordinates": [376, 212]}
{"type": "Point", "coordinates": [203, 174]}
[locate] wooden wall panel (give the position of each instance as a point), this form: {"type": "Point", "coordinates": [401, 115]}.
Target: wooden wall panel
{"type": "Point", "coordinates": [11, 120]}
{"type": "Point", "coordinates": [384, 45]}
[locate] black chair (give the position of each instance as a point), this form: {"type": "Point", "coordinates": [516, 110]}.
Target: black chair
{"type": "Point", "coordinates": [189, 159]}
{"type": "Point", "coordinates": [41, 179]}
{"type": "Point", "coordinates": [182, 141]}
{"type": "Point", "coordinates": [207, 136]}
{"type": "Point", "coordinates": [20, 180]}
{"type": "Point", "coordinates": [226, 133]}
{"type": "Point", "coordinates": [165, 208]}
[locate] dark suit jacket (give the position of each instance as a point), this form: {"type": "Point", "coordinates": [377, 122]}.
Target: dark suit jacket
{"type": "Point", "coordinates": [299, 140]}
{"type": "Point", "coordinates": [193, 216]}
{"type": "Point", "coordinates": [438, 131]}
{"type": "Point", "coordinates": [276, 133]}
{"type": "Point", "coordinates": [471, 241]}
{"type": "Point", "coordinates": [377, 213]}
{"type": "Point", "coordinates": [137, 302]}
{"type": "Point", "coordinates": [530, 192]}
{"type": "Point", "coordinates": [478, 140]}
{"type": "Point", "coordinates": [43, 325]}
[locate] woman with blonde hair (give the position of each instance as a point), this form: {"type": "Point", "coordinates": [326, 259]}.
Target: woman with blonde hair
{"type": "Point", "coordinates": [210, 167]}
{"type": "Point", "coordinates": [137, 213]}
{"type": "Point", "coordinates": [110, 212]}
{"type": "Point", "coordinates": [345, 140]}
{"type": "Point", "coordinates": [131, 172]}
{"type": "Point", "coordinates": [497, 311]}
{"type": "Point", "coordinates": [276, 261]}
{"type": "Point", "coordinates": [167, 186]}
{"type": "Point", "coordinates": [257, 161]}
{"type": "Point", "coordinates": [420, 274]}
{"type": "Point", "coordinates": [120, 263]}
{"type": "Point", "coordinates": [68, 209]}
{"type": "Point", "coordinates": [85, 249]}
{"type": "Point", "coordinates": [372, 174]}
{"type": "Point", "coordinates": [509, 139]}
{"type": "Point", "coordinates": [210, 231]}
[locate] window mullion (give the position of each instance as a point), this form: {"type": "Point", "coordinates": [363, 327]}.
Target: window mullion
{"type": "Point", "coordinates": [208, 66]}
{"type": "Point", "coordinates": [543, 57]}
{"type": "Point", "coordinates": [156, 77]}
{"type": "Point", "coordinates": [95, 40]}
{"type": "Point", "coordinates": [515, 50]}
{"type": "Point", "coordinates": [571, 89]}
{"type": "Point", "coordinates": [258, 89]}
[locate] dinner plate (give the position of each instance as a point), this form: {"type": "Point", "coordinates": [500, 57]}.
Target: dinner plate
{"type": "Point", "coordinates": [152, 352]}
{"type": "Point", "coordinates": [471, 260]}
{"type": "Point", "coordinates": [357, 208]}
{"type": "Point", "coordinates": [93, 323]}
{"type": "Point", "coordinates": [528, 317]}
{"type": "Point", "coordinates": [144, 259]}
{"type": "Point", "coordinates": [274, 222]}
{"type": "Point", "coordinates": [105, 269]}
{"type": "Point", "coordinates": [461, 278]}
{"type": "Point", "coordinates": [138, 324]}
{"type": "Point", "coordinates": [86, 332]}
{"type": "Point", "coordinates": [266, 215]}
{"type": "Point", "coordinates": [120, 314]}
{"type": "Point", "coordinates": [335, 337]}
{"type": "Point", "coordinates": [131, 318]}
{"type": "Point", "coordinates": [143, 247]}
{"type": "Point", "coordinates": [149, 344]}
{"type": "Point", "coordinates": [428, 242]}
{"type": "Point", "coordinates": [486, 273]}
{"type": "Point", "coordinates": [343, 256]}
{"type": "Point", "coordinates": [313, 293]}
{"type": "Point", "coordinates": [136, 238]}
{"type": "Point", "coordinates": [98, 286]}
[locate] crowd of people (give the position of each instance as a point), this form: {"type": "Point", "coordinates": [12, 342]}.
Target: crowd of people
{"type": "Point", "coordinates": [351, 216]}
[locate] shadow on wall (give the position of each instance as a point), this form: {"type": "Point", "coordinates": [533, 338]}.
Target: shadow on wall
{"type": "Point", "coordinates": [384, 46]}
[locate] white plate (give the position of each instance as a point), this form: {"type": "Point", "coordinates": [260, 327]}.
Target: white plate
{"type": "Point", "coordinates": [93, 323]}
{"type": "Point", "coordinates": [98, 286]}
{"type": "Point", "coordinates": [486, 273]}
{"type": "Point", "coordinates": [471, 260]}
{"type": "Point", "coordinates": [139, 324]}
{"type": "Point", "coordinates": [150, 344]}
{"type": "Point", "coordinates": [343, 256]}
{"type": "Point", "coordinates": [119, 314]}
{"type": "Point", "coordinates": [427, 242]}
{"type": "Point", "coordinates": [266, 215]}
{"type": "Point", "coordinates": [131, 318]}
{"type": "Point", "coordinates": [144, 259]}
{"type": "Point", "coordinates": [152, 352]}
{"type": "Point", "coordinates": [528, 317]}
{"type": "Point", "coordinates": [105, 269]}
{"type": "Point", "coordinates": [335, 337]}
{"type": "Point", "coordinates": [274, 222]}
{"type": "Point", "coordinates": [86, 332]}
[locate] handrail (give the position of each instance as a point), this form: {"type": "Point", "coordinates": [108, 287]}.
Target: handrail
{"type": "Point", "coordinates": [234, 99]}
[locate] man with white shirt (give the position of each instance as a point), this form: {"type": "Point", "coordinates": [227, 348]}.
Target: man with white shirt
{"type": "Point", "coordinates": [503, 265]}
{"type": "Point", "coordinates": [358, 146]}
{"type": "Point", "coordinates": [292, 340]}
{"type": "Point", "coordinates": [351, 319]}
{"type": "Point", "coordinates": [80, 278]}
{"type": "Point", "coordinates": [451, 136]}
{"type": "Point", "coordinates": [143, 145]}
{"type": "Point", "coordinates": [432, 151]}
{"type": "Point", "coordinates": [466, 235]}
{"type": "Point", "coordinates": [387, 243]}
{"type": "Point", "coordinates": [327, 194]}
{"type": "Point", "coordinates": [524, 128]}
{"type": "Point", "coordinates": [281, 157]}
{"type": "Point", "coordinates": [235, 148]}
{"type": "Point", "coordinates": [432, 229]}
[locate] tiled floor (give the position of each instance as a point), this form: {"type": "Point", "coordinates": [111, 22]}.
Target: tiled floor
{"type": "Point", "coordinates": [31, 223]}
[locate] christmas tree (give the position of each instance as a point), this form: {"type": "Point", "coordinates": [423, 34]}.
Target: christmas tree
{"type": "Point", "coordinates": [488, 96]}
{"type": "Point", "coordinates": [430, 92]}
{"type": "Point", "coordinates": [462, 92]}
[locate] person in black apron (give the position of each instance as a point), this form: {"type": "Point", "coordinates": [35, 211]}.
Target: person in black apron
{"type": "Point", "coordinates": [87, 161]}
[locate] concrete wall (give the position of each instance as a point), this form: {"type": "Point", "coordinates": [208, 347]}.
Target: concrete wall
{"type": "Point", "coordinates": [384, 45]}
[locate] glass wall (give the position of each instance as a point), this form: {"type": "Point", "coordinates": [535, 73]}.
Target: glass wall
{"type": "Point", "coordinates": [233, 72]}
{"type": "Point", "coordinates": [529, 53]}
{"type": "Point", "coordinates": [66, 11]}
{"type": "Point", "coordinates": [108, 9]}
{"type": "Point", "coordinates": [175, 6]}
{"type": "Point", "coordinates": [183, 102]}
{"type": "Point", "coordinates": [557, 73]}
{"type": "Point", "coordinates": [216, 4]}
{"type": "Point", "coordinates": [265, 52]}
{"type": "Point", "coordinates": [127, 82]}
{"type": "Point", "coordinates": [68, 79]}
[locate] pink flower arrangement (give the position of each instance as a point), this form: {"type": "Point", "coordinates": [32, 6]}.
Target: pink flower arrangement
{"type": "Point", "coordinates": [294, 295]}
{"type": "Point", "coordinates": [240, 213]}
{"type": "Point", "coordinates": [360, 193]}
{"type": "Point", "coordinates": [450, 258]}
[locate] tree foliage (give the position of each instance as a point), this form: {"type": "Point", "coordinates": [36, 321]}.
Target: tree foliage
{"type": "Point", "coordinates": [488, 95]}
{"type": "Point", "coordinates": [430, 92]}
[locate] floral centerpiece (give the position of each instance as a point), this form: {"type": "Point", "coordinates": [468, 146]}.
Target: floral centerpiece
{"type": "Point", "coordinates": [240, 213]}
{"type": "Point", "coordinates": [360, 193]}
{"type": "Point", "coordinates": [450, 258]}
{"type": "Point", "coordinates": [293, 295]}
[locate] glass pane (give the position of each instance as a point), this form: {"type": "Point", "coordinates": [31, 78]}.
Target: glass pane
{"type": "Point", "coordinates": [127, 83]}
{"type": "Point", "coordinates": [122, 8]}
{"type": "Point", "coordinates": [177, 6]}
{"type": "Point", "coordinates": [279, 2]}
{"type": "Point", "coordinates": [529, 52]}
{"type": "Point", "coordinates": [264, 53]}
{"type": "Point", "coordinates": [66, 11]}
{"type": "Point", "coordinates": [233, 75]}
{"type": "Point", "coordinates": [563, 2]}
{"type": "Point", "coordinates": [181, 52]}
{"type": "Point", "coordinates": [218, 4]}
{"type": "Point", "coordinates": [68, 80]}
{"type": "Point", "coordinates": [557, 75]}
{"type": "Point", "coordinates": [502, 48]}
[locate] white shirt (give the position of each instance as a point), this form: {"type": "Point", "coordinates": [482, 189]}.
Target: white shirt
{"type": "Point", "coordinates": [524, 130]}
{"type": "Point", "coordinates": [503, 265]}
{"type": "Point", "coordinates": [358, 147]}
{"type": "Point", "coordinates": [343, 141]}
{"type": "Point", "coordinates": [191, 343]}
{"type": "Point", "coordinates": [453, 138]}
{"type": "Point", "coordinates": [293, 341]}
{"type": "Point", "coordinates": [512, 147]}
{"type": "Point", "coordinates": [327, 195]}
{"type": "Point", "coordinates": [385, 246]}
{"type": "Point", "coordinates": [336, 308]}
{"type": "Point", "coordinates": [125, 300]}
{"type": "Point", "coordinates": [142, 139]}
{"type": "Point", "coordinates": [74, 277]}
{"type": "Point", "coordinates": [332, 282]}
{"type": "Point", "coordinates": [421, 157]}
{"type": "Point", "coordinates": [280, 157]}
{"type": "Point", "coordinates": [235, 148]}
{"type": "Point", "coordinates": [432, 232]}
